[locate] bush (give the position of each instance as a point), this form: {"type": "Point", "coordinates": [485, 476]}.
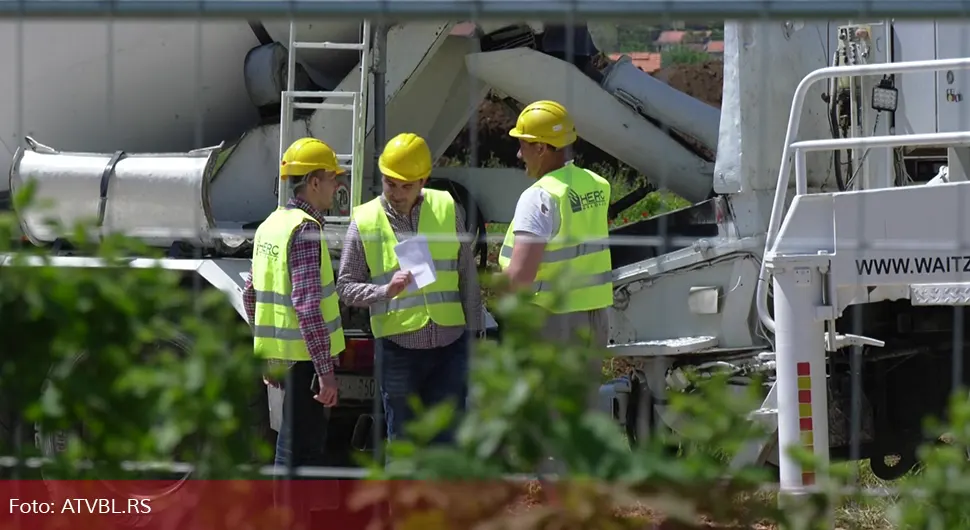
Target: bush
{"type": "Point", "coordinates": [73, 335]}
{"type": "Point", "coordinates": [528, 403]}
{"type": "Point", "coordinates": [122, 363]}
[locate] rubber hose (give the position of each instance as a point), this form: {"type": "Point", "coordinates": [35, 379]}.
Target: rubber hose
{"type": "Point", "coordinates": [477, 225]}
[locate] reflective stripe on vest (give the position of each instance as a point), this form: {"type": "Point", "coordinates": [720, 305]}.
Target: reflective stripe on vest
{"type": "Point", "coordinates": [578, 257]}
{"type": "Point", "coordinates": [276, 332]}
{"type": "Point", "coordinates": [438, 302]}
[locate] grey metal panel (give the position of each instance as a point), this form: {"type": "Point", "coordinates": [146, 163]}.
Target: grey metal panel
{"type": "Point", "coordinates": [915, 41]}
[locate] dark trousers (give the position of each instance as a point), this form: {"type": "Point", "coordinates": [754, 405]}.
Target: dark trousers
{"type": "Point", "coordinates": [434, 376]}
{"type": "Point", "coordinates": [301, 440]}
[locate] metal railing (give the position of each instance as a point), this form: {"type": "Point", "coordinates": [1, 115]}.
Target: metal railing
{"type": "Point", "coordinates": [790, 150]}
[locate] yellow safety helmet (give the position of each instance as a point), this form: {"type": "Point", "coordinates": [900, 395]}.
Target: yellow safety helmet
{"type": "Point", "coordinates": [306, 155]}
{"type": "Point", "coordinates": [546, 122]}
{"type": "Point", "coordinates": [406, 157]}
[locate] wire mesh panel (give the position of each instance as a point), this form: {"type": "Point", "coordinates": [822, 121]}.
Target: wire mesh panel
{"type": "Point", "coordinates": [840, 311]}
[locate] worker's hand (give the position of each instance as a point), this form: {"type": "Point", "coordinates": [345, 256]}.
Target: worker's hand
{"type": "Point", "coordinates": [399, 282]}
{"type": "Point", "coordinates": [328, 390]}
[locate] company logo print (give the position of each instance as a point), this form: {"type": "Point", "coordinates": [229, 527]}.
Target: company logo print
{"type": "Point", "coordinates": [575, 202]}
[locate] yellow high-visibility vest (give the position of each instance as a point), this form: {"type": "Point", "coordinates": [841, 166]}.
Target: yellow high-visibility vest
{"type": "Point", "coordinates": [578, 256]}
{"type": "Point", "coordinates": [438, 302]}
{"type": "Point", "coordinates": [277, 331]}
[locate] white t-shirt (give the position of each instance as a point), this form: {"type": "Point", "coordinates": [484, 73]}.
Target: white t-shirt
{"type": "Point", "coordinates": [537, 214]}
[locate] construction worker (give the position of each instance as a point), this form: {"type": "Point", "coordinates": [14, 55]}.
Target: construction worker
{"type": "Point", "coordinates": [292, 303]}
{"type": "Point", "coordinates": [559, 229]}
{"type": "Point", "coordinates": [423, 334]}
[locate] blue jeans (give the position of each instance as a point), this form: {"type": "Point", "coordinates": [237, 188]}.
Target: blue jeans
{"type": "Point", "coordinates": [434, 375]}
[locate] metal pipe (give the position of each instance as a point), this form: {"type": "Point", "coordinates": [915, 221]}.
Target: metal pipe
{"type": "Point", "coordinates": [380, 100]}
{"type": "Point", "coordinates": [549, 10]}
{"type": "Point", "coordinates": [801, 380]}
{"type": "Point", "coordinates": [953, 139]}
{"type": "Point", "coordinates": [801, 180]}
{"type": "Point", "coordinates": [379, 68]}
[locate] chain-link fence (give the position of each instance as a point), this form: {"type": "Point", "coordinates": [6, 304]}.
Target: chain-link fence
{"type": "Point", "coordinates": [839, 310]}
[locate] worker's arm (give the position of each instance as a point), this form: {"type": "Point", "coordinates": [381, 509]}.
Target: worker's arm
{"type": "Point", "coordinates": [249, 299]}
{"type": "Point", "coordinates": [526, 256]}
{"type": "Point", "coordinates": [535, 222]}
{"type": "Point", "coordinates": [304, 257]}
{"type": "Point", "coordinates": [468, 288]}
{"type": "Point", "coordinates": [353, 278]}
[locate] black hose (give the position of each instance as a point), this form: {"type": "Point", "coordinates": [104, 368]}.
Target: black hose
{"type": "Point", "coordinates": [474, 220]}
{"type": "Point", "coordinates": [834, 129]}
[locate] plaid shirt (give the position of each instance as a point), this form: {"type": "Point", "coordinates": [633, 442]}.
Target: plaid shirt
{"type": "Point", "coordinates": [304, 258]}
{"type": "Point", "coordinates": [355, 287]}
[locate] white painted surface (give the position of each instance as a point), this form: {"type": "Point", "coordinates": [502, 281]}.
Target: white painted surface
{"type": "Point", "coordinates": [146, 193]}
{"type": "Point", "coordinates": [143, 95]}
{"type": "Point", "coordinates": [763, 63]}
{"type": "Point", "coordinates": [663, 102]}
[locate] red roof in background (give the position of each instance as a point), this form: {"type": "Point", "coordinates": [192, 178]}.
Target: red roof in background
{"type": "Point", "coordinates": [649, 62]}
{"type": "Point", "coordinates": [671, 37]}
{"type": "Point", "coordinates": [465, 29]}
{"type": "Point", "coordinates": [715, 46]}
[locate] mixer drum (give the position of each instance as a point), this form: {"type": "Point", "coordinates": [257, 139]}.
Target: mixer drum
{"type": "Point", "coordinates": [159, 198]}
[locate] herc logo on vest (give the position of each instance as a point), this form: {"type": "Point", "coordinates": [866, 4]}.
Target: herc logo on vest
{"type": "Point", "coordinates": [579, 202]}
{"type": "Point", "coordinates": [267, 249]}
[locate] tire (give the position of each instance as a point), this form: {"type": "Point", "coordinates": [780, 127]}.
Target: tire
{"type": "Point", "coordinates": [172, 493]}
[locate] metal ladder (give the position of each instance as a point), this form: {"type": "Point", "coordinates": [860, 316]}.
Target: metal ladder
{"type": "Point", "coordinates": [354, 161]}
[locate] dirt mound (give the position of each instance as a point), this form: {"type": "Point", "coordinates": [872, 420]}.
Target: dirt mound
{"type": "Point", "coordinates": [496, 116]}
{"type": "Point", "coordinates": [703, 81]}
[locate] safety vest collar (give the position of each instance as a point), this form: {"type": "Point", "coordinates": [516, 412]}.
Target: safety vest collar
{"type": "Point", "coordinates": [300, 204]}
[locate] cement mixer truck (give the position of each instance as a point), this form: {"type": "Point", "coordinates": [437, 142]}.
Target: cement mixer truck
{"type": "Point", "coordinates": [193, 173]}
{"type": "Point", "coordinates": [686, 282]}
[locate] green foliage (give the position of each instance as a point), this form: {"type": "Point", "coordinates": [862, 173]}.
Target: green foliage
{"type": "Point", "coordinates": [129, 363]}
{"type": "Point", "coordinates": [935, 496]}
{"type": "Point", "coordinates": [682, 55]}
{"type": "Point", "coordinates": [530, 400]}
{"type": "Point", "coordinates": [655, 203]}
{"type": "Point", "coordinates": [636, 37]}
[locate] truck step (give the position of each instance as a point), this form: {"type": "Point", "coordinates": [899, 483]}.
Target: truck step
{"type": "Point", "coordinates": [663, 347]}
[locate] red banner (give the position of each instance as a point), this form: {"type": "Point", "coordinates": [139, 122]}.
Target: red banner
{"type": "Point", "coordinates": [192, 505]}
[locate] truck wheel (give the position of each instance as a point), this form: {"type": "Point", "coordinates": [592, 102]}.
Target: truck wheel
{"type": "Point", "coordinates": [891, 466]}
{"type": "Point", "coordinates": [167, 494]}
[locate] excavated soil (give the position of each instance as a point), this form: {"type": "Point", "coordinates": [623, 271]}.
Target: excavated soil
{"type": "Point", "coordinates": [703, 81]}
{"type": "Point", "coordinates": [497, 116]}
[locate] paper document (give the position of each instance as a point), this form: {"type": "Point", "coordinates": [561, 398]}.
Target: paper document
{"type": "Point", "coordinates": [414, 255]}
{"type": "Point", "coordinates": [490, 322]}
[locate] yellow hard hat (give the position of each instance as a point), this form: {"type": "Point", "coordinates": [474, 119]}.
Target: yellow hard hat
{"type": "Point", "coordinates": [306, 155]}
{"type": "Point", "coordinates": [547, 122]}
{"type": "Point", "coordinates": [406, 157]}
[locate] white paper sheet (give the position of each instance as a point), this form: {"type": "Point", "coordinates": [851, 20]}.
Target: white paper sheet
{"type": "Point", "coordinates": [414, 255]}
